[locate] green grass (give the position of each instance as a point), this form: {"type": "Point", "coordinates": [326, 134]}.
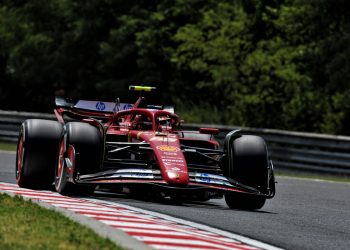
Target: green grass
{"type": "Point", "coordinates": [313, 176]}
{"type": "Point", "coordinates": [8, 146]}
{"type": "Point", "coordinates": [26, 225]}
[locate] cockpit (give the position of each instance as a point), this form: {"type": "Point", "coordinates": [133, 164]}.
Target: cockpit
{"type": "Point", "coordinates": [144, 120]}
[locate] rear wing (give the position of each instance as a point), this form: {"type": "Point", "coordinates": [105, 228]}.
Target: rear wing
{"type": "Point", "coordinates": [103, 107]}
{"type": "Point", "coordinates": [95, 106]}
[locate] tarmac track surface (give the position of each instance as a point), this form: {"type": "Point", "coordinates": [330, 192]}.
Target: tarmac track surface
{"type": "Point", "coordinates": [305, 214]}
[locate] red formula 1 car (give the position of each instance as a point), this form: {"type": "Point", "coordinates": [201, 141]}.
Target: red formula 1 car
{"type": "Point", "coordinates": [141, 148]}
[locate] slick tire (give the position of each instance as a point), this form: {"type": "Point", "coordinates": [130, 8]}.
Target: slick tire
{"type": "Point", "coordinates": [244, 201]}
{"type": "Point", "coordinates": [88, 145]}
{"type": "Point", "coordinates": [248, 164]}
{"type": "Point", "coordinates": [37, 148]}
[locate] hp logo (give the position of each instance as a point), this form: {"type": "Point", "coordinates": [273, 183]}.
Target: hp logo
{"type": "Point", "coordinates": [100, 106]}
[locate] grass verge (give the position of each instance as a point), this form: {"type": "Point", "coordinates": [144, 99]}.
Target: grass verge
{"type": "Point", "coordinates": [343, 179]}
{"type": "Point", "coordinates": [8, 146]}
{"type": "Point", "coordinates": [26, 225]}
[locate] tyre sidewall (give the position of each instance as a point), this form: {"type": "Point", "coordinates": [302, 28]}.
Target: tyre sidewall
{"type": "Point", "coordinates": [250, 162]}
{"type": "Point", "coordinates": [40, 145]}
{"type": "Point", "coordinates": [88, 145]}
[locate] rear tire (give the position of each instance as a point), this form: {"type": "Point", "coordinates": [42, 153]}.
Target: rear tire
{"type": "Point", "coordinates": [87, 142]}
{"type": "Point", "coordinates": [248, 164]}
{"type": "Point", "coordinates": [37, 149]}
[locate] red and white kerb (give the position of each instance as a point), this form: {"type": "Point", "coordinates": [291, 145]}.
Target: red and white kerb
{"type": "Point", "coordinates": [154, 231]}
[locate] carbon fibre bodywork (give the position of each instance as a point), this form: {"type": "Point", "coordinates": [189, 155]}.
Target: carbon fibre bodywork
{"type": "Point", "coordinates": [145, 147]}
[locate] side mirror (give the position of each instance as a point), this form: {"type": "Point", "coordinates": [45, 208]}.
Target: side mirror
{"type": "Point", "coordinates": [209, 131]}
{"type": "Point", "coordinates": [63, 102]}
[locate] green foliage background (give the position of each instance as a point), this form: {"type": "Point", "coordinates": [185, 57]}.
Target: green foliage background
{"type": "Point", "coordinates": [258, 63]}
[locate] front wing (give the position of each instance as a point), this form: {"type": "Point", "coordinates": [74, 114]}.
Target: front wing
{"type": "Point", "coordinates": [197, 181]}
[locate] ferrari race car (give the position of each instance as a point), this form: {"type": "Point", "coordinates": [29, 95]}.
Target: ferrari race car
{"type": "Point", "coordinates": [141, 148]}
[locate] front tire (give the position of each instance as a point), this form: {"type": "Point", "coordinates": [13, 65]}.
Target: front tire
{"type": "Point", "coordinates": [248, 164]}
{"type": "Point", "coordinates": [62, 185]}
{"type": "Point", "coordinates": [244, 201]}
{"type": "Point", "coordinates": [87, 142]}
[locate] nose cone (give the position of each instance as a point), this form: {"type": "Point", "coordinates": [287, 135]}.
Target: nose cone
{"type": "Point", "coordinates": [177, 177]}
{"type": "Point", "coordinates": [171, 160]}
{"type": "Point", "coordinates": [174, 167]}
